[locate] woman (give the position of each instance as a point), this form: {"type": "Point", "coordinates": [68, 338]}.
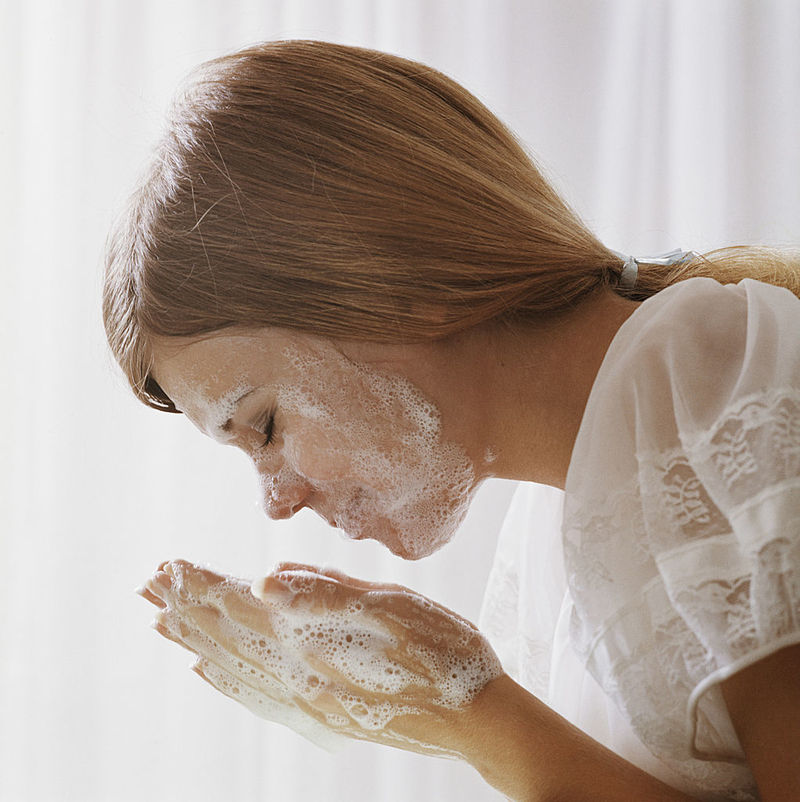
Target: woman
{"type": "Point", "coordinates": [343, 264]}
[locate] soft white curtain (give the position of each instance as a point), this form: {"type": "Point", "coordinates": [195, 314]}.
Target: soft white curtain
{"type": "Point", "coordinates": [665, 123]}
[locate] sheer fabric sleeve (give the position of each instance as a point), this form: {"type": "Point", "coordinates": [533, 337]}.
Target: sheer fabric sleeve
{"type": "Point", "coordinates": [681, 527]}
{"type": "Point", "coordinates": [719, 472]}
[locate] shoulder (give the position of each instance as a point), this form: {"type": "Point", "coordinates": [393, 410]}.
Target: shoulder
{"type": "Point", "coordinates": [701, 347]}
{"type": "Point", "coordinates": [685, 361]}
{"type": "Point", "coordinates": [701, 320]}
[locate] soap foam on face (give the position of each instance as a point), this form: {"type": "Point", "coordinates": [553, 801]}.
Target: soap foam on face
{"type": "Point", "coordinates": [363, 448]}
{"type": "Point", "coordinates": [198, 403]}
{"type": "Point", "coordinates": [405, 485]}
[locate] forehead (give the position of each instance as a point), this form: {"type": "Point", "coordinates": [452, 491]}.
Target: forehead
{"type": "Point", "coordinates": [206, 378]}
{"type": "Point", "coordinates": [215, 361]}
{"type": "Point", "coordinates": [223, 359]}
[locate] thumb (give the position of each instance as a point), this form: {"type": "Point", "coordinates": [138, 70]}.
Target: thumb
{"type": "Point", "coordinates": [271, 589]}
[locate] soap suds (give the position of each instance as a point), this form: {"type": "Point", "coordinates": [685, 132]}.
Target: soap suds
{"type": "Point", "coordinates": [364, 448]}
{"type": "Point", "coordinates": [407, 486]}
{"type": "Point", "coordinates": [198, 403]}
{"type": "Point", "coordinates": [323, 658]}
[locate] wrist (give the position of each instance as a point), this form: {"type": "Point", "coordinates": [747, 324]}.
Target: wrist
{"type": "Point", "coordinates": [528, 752]}
{"type": "Point", "coordinates": [494, 738]}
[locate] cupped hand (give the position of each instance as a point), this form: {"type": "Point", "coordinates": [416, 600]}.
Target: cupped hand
{"type": "Point", "coordinates": [327, 654]}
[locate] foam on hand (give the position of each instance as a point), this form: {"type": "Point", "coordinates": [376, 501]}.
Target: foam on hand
{"type": "Point", "coordinates": [433, 647]}
{"type": "Point", "coordinates": [323, 657]}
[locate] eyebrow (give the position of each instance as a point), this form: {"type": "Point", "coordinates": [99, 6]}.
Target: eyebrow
{"type": "Point", "coordinates": [226, 427]}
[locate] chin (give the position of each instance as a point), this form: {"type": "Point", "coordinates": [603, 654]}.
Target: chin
{"type": "Point", "coordinates": [407, 548]}
{"type": "Point", "coordinates": [423, 548]}
{"type": "Point", "coordinates": [404, 553]}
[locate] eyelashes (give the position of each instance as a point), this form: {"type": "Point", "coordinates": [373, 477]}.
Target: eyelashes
{"type": "Point", "coordinates": [268, 429]}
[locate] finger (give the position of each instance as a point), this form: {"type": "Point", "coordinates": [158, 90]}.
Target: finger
{"type": "Point", "coordinates": [179, 584]}
{"type": "Point", "coordinates": [291, 567]}
{"type": "Point", "coordinates": [168, 630]}
{"type": "Point", "coordinates": [250, 611]}
{"type": "Point", "coordinates": [196, 579]}
{"type": "Point", "coordinates": [234, 647]}
{"type": "Point", "coordinates": [412, 609]}
{"type": "Point", "coordinates": [184, 579]}
{"type": "Point", "coordinates": [292, 712]}
{"type": "Point", "coordinates": [287, 565]}
{"type": "Point", "coordinates": [289, 586]}
{"type": "Point", "coordinates": [337, 575]}
{"type": "Point", "coordinates": [314, 592]}
{"type": "Point", "coordinates": [212, 635]}
{"type": "Point", "coordinates": [197, 670]}
{"type": "Point", "coordinates": [163, 585]}
{"type": "Point", "coordinates": [309, 579]}
{"type": "Point", "coordinates": [236, 642]}
{"type": "Point", "coordinates": [196, 631]}
{"type": "Point", "coordinates": [146, 593]}
{"type": "Point", "coordinates": [269, 699]}
{"type": "Point", "coordinates": [207, 620]}
{"type": "Point", "coordinates": [219, 678]}
{"type": "Point", "coordinates": [257, 682]}
{"type": "Point", "coordinates": [270, 590]}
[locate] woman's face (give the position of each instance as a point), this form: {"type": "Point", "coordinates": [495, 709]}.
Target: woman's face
{"type": "Point", "coordinates": [364, 448]}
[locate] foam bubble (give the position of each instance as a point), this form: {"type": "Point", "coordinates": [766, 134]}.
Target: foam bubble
{"type": "Point", "coordinates": [200, 404]}
{"type": "Point", "coordinates": [407, 486]}
{"type": "Point", "coordinates": [322, 654]}
{"type": "Point", "coordinates": [364, 448]}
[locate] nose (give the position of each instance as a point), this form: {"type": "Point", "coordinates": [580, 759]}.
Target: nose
{"type": "Point", "coordinates": [284, 495]}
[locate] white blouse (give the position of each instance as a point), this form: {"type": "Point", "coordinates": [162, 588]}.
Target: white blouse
{"type": "Point", "coordinates": [676, 561]}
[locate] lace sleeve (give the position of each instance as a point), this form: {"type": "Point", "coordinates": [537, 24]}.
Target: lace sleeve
{"type": "Point", "coordinates": [722, 510]}
{"type": "Point", "coordinates": [734, 576]}
{"type": "Point", "coordinates": [682, 518]}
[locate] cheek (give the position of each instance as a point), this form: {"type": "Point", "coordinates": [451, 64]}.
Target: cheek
{"type": "Point", "coordinates": [350, 454]}
{"type": "Point", "coordinates": [317, 454]}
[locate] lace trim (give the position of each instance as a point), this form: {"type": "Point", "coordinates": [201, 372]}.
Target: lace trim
{"type": "Point", "coordinates": [688, 573]}
{"type": "Point", "coordinates": [779, 407]}
{"type": "Point", "coordinates": [609, 522]}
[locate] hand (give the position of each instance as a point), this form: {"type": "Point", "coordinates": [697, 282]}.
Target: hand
{"type": "Point", "coordinates": [329, 655]}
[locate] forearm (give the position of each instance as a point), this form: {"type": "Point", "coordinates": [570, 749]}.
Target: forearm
{"type": "Point", "coordinates": [248, 648]}
{"type": "Point", "coordinates": [531, 754]}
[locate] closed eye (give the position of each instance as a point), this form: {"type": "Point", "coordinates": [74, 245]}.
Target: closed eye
{"type": "Point", "coordinates": [268, 430]}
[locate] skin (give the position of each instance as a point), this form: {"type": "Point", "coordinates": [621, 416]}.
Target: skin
{"type": "Point", "coordinates": [358, 445]}
{"type": "Point", "coordinates": [219, 618]}
{"type": "Point", "coordinates": [517, 394]}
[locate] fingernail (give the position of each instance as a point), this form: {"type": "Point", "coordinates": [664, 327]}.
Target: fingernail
{"type": "Point", "coordinates": [258, 589]}
{"type": "Point", "coordinates": [270, 588]}
{"type": "Point", "coordinates": [168, 568]}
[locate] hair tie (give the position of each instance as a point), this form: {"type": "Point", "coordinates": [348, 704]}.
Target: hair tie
{"type": "Point", "coordinates": [630, 270]}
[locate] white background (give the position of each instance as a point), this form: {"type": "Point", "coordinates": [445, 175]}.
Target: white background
{"type": "Point", "coordinates": [665, 123]}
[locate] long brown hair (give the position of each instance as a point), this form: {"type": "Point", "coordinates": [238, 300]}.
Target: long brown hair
{"type": "Point", "coordinates": [351, 194]}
